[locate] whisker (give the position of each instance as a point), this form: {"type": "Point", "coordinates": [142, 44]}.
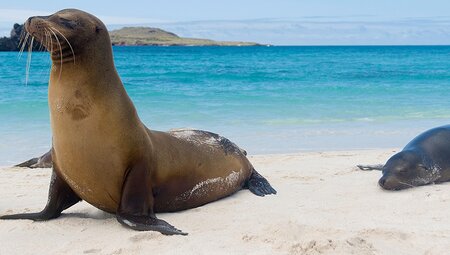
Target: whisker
{"type": "Point", "coordinates": [51, 45]}
{"type": "Point", "coordinates": [41, 46]}
{"type": "Point", "coordinates": [22, 36]}
{"type": "Point", "coordinates": [60, 52]}
{"type": "Point", "coordinates": [30, 52]}
{"type": "Point", "coordinates": [407, 184]}
{"type": "Point", "coordinates": [70, 45]}
{"type": "Point", "coordinates": [44, 41]}
{"type": "Point", "coordinates": [50, 40]}
{"type": "Point", "coordinates": [24, 42]}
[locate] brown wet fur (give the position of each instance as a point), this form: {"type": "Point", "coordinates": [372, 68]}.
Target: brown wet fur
{"type": "Point", "coordinates": [98, 138]}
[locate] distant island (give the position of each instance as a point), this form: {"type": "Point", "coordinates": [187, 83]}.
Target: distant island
{"type": "Point", "coordinates": [130, 36]}
{"type": "Point", "coordinates": [158, 37]}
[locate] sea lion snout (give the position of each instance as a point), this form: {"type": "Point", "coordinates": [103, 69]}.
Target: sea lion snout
{"type": "Point", "coordinates": [33, 25]}
{"type": "Point", "coordinates": [392, 182]}
{"type": "Point", "coordinates": [388, 183]}
{"type": "Point", "coordinates": [382, 181]}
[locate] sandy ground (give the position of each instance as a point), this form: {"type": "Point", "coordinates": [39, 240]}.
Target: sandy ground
{"type": "Point", "coordinates": [324, 206]}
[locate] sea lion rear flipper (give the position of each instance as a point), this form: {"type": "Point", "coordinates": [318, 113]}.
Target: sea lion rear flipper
{"type": "Point", "coordinates": [44, 161]}
{"type": "Point", "coordinates": [259, 186]}
{"type": "Point", "coordinates": [136, 204]}
{"type": "Point", "coordinates": [28, 163]}
{"type": "Point", "coordinates": [370, 167]}
{"type": "Point", "coordinates": [60, 197]}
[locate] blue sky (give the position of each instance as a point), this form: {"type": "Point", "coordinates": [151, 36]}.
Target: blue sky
{"type": "Point", "coordinates": [286, 22]}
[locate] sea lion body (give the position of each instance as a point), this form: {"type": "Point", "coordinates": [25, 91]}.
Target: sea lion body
{"type": "Point", "coordinates": [102, 153]}
{"type": "Point", "coordinates": [424, 160]}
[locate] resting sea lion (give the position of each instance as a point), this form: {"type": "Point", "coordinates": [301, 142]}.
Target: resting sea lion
{"type": "Point", "coordinates": [424, 160]}
{"type": "Point", "coordinates": [102, 153]}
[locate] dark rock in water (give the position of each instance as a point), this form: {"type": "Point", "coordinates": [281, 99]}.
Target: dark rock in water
{"type": "Point", "coordinates": [12, 43]}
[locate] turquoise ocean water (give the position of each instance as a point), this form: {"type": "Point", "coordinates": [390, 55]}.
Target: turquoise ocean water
{"type": "Point", "coordinates": [266, 99]}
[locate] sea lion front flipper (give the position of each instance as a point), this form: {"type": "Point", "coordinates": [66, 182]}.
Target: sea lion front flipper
{"type": "Point", "coordinates": [60, 197]}
{"type": "Point", "coordinates": [370, 167]}
{"type": "Point", "coordinates": [147, 223]}
{"type": "Point", "coordinates": [136, 204]}
{"type": "Point", "coordinates": [44, 161]}
{"type": "Point", "coordinates": [259, 186]}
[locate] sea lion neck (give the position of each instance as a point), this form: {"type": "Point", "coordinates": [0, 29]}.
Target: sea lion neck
{"type": "Point", "coordinates": [81, 75]}
{"type": "Point", "coordinates": [85, 67]}
{"type": "Point", "coordinates": [91, 57]}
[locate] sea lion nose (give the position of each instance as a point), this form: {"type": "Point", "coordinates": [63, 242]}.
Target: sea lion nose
{"type": "Point", "coordinates": [382, 181]}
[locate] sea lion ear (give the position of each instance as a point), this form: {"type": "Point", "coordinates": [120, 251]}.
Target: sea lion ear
{"type": "Point", "coordinates": [98, 29]}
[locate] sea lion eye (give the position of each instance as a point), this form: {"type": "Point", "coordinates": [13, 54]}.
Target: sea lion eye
{"type": "Point", "coordinates": [68, 23]}
{"type": "Point", "coordinates": [403, 170]}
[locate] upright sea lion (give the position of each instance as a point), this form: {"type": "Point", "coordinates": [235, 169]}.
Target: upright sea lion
{"type": "Point", "coordinates": [102, 153]}
{"type": "Point", "coordinates": [424, 160]}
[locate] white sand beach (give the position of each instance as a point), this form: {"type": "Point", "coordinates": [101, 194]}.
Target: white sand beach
{"type": "Point", "coordinates": [324, 205]}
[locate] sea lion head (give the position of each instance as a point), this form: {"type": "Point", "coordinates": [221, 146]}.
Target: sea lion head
{"type": "Point", "coordinates": [70, 35]}
{"type": "Point", "coordinates": [407, 169]}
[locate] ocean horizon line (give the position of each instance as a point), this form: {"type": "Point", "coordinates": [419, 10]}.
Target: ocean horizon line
{"type": "Point", "coordinates": [294, 45]}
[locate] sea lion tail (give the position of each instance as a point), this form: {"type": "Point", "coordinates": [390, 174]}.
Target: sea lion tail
{"type": "Point", "coordinates": [370, 167]}
{"type": "Point", "coordinates": [259, 185]}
